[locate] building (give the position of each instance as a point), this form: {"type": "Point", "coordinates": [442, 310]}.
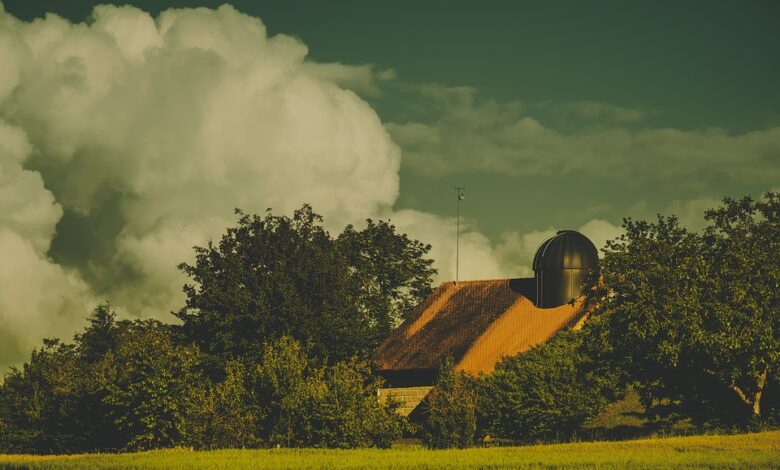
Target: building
{"type": "Point", "coordinates": [477, 323]}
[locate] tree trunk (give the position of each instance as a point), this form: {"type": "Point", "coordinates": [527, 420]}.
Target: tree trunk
{"type": "Point", "coordinates": [753, 402]}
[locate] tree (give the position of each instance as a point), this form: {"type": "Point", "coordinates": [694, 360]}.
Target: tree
{"type": "Point", "coordinates": [742, 243]}
{"type": "Point", "coordinates": [276, 276]}
{"type": "Point", "coordinates": [394, 274]}
{"type": "Point", "coordinates": [449, 410]}
{"type": "Point", "coordinates": [101, 335]}
{"type": "Point", "coordinates": [545, 393]}
{"type": "Point", "coordinates": [39, 401]}
{"type": "Point", "coordinates": [55, 402]}
{"type": "Point", "coordinates": [693, 318]}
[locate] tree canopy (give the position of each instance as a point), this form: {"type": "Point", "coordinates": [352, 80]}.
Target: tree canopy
{"type": "Point", "coordinates": [276, 276]}
{"type": "Point", "coordinates": [693, 317]}
{"type": "Point", "coordinates": [281, 316]}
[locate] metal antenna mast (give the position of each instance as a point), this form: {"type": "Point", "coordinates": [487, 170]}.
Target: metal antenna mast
{"type": "Point", "coordinates": [459, 190]}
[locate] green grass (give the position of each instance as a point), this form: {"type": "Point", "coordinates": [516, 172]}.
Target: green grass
{"type": "Point", "coordinates": [627, 419]}
{"type": "Point", "coordinates": [758, 450]}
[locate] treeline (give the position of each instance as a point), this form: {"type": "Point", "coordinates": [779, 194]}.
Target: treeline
{"type": "Point", "coordinates": [689, 320]}
{"type": "Point", "coordinates": [271, 349]}
{"type": "Point", "coordinates": [281, 318]}
{"type": "Point", "coordinates": [126, 385]}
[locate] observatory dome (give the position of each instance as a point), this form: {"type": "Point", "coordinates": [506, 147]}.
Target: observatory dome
{"type": "Point", "coordinates": [561, 266]}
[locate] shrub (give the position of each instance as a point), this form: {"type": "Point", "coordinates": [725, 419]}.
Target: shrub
{"type": "Point", "coordinates": [542, 394]}
{"type": "Point", "coordinates": [151, 387]}
{"type": "Point", "coordinates": [309, 405]}
{"type": "Point", "coordinates": [449, 411]}
{"type": "Point", "coordinates": [226, 414]}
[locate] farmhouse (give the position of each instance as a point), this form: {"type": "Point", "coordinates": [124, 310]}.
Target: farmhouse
{"type": "Point", "coordinates": [477, 323]}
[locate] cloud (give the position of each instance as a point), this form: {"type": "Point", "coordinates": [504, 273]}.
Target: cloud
{"type": "Point", "coordinates": [691, 212]}
{"type": "Point", "coordinates": [600, 231]}
{"type": "Point", "coordinates": [37, 297]}
{"type": "Point", "coordinates": [463, 134]}
{"type": "Point", "coordinates": [517, 250]}
{"type": "Point", "coordinates": [129, 139]}
{"type": "Point", "coordinates": [478, 257]}
{"type": "Point", "coordinates": [594, 112]}
{"type": "Point", "coordinates": [364, 79]}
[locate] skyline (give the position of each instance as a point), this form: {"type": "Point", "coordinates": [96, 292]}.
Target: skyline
{"type": "Point", "coordinates": [128, 139]}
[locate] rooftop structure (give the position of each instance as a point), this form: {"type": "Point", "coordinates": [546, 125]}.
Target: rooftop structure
{"type": "Point", "coordinates": [477, 323]}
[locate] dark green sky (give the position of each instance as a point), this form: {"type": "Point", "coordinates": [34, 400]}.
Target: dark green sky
{"type": "Point", "coordinates": [688, 65]}
{"type": "Point", "coordinates": [700, 63]}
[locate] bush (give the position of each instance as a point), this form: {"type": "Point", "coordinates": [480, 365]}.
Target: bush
{"type": "Point", "coordinates": [309, 405]}
{"type": "Point", "coordinates": [226, 414]}
{"type": "Point", "coordinates": [546, 393]}
{"type": "Point", "coordinates": [151, 387]}
{"type": "Point", "coordinates": [449, 411]}
{"type": "Point", "coordinates": [129, 386]}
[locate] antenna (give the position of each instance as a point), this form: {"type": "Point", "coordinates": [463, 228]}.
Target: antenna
{"type": "Point", "coordinates": [459, 190]}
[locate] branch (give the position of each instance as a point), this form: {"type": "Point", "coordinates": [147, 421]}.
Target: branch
{"type": "Point", "coordinates": [740, 394]}
{"type": "Point", "coordinates": [760, 388]}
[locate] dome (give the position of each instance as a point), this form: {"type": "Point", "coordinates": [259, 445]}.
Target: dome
{"type": "Point", "coordinates": [561, 266]}
{"type": "Point", "coordinates": [568, 249]}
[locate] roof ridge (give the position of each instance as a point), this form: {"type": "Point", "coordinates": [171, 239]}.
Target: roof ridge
{"type": "Point", "coordinates": [471, 281]}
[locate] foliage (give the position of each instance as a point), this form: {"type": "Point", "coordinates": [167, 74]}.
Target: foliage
{"type": "Point", "coordinates": [322, 406]}
{"type": "Point", "coordinates": [101, 336]}
{"type": "Point", "coordinates": [693, 318]}
{"type": "Point", "coordinates": [142, 390]}
{"type": "Point", "coordinates": [393, 271]}
{"type": "Point", "coordinates": [449, 410]}
{"type": "Point", "coordinates": [274, 276]}
{"type": "Point", "coordinates": [226, 414]}
{"type": "Point", "coordinates": [545, 393]}
{"type": "Point", "coordinates": [150, 386]}
{"type": "Point", "coordinates": [120, 385]}
{"type": "Point", "coordinates": [37, 402]}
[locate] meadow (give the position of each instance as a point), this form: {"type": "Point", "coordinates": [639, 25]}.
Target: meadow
{"type": "Point", "coordinates": [756, 450]}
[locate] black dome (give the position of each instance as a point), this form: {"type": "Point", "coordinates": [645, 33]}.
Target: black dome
{"type": "Point", "coordinates": [562, 267]}
{"type": "Point", "coordinates": [568, 249]}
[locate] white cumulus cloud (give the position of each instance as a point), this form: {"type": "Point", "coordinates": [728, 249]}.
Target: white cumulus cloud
{"type": "Point", "coordinates": [128, 139]}
{"type": "Point", "coordinates": [178, 120]}
{"type": "Point", "coordinates": [38, 298]}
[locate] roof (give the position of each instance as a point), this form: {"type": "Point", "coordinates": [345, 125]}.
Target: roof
{"type": "Point", "coordinates": [476, 323]}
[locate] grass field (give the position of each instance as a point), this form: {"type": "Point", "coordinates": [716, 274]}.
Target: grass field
{"type": "Point", "coordinates": [627, 419]}
{"type": "Point", "coordinates": [759, 450]}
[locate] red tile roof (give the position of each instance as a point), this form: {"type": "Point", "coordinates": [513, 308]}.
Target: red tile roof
{"type": "Point", "coordinates": [476, 323]}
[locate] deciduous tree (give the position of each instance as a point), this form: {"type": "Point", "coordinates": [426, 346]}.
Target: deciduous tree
{"type": "Point", "coordinates": [693, 318]}
{"type": "Point", "coordinates": [276, 276]}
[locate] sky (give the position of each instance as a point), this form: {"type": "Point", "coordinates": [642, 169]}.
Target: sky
{"type": "Point", "coordinates": [130, 132]}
